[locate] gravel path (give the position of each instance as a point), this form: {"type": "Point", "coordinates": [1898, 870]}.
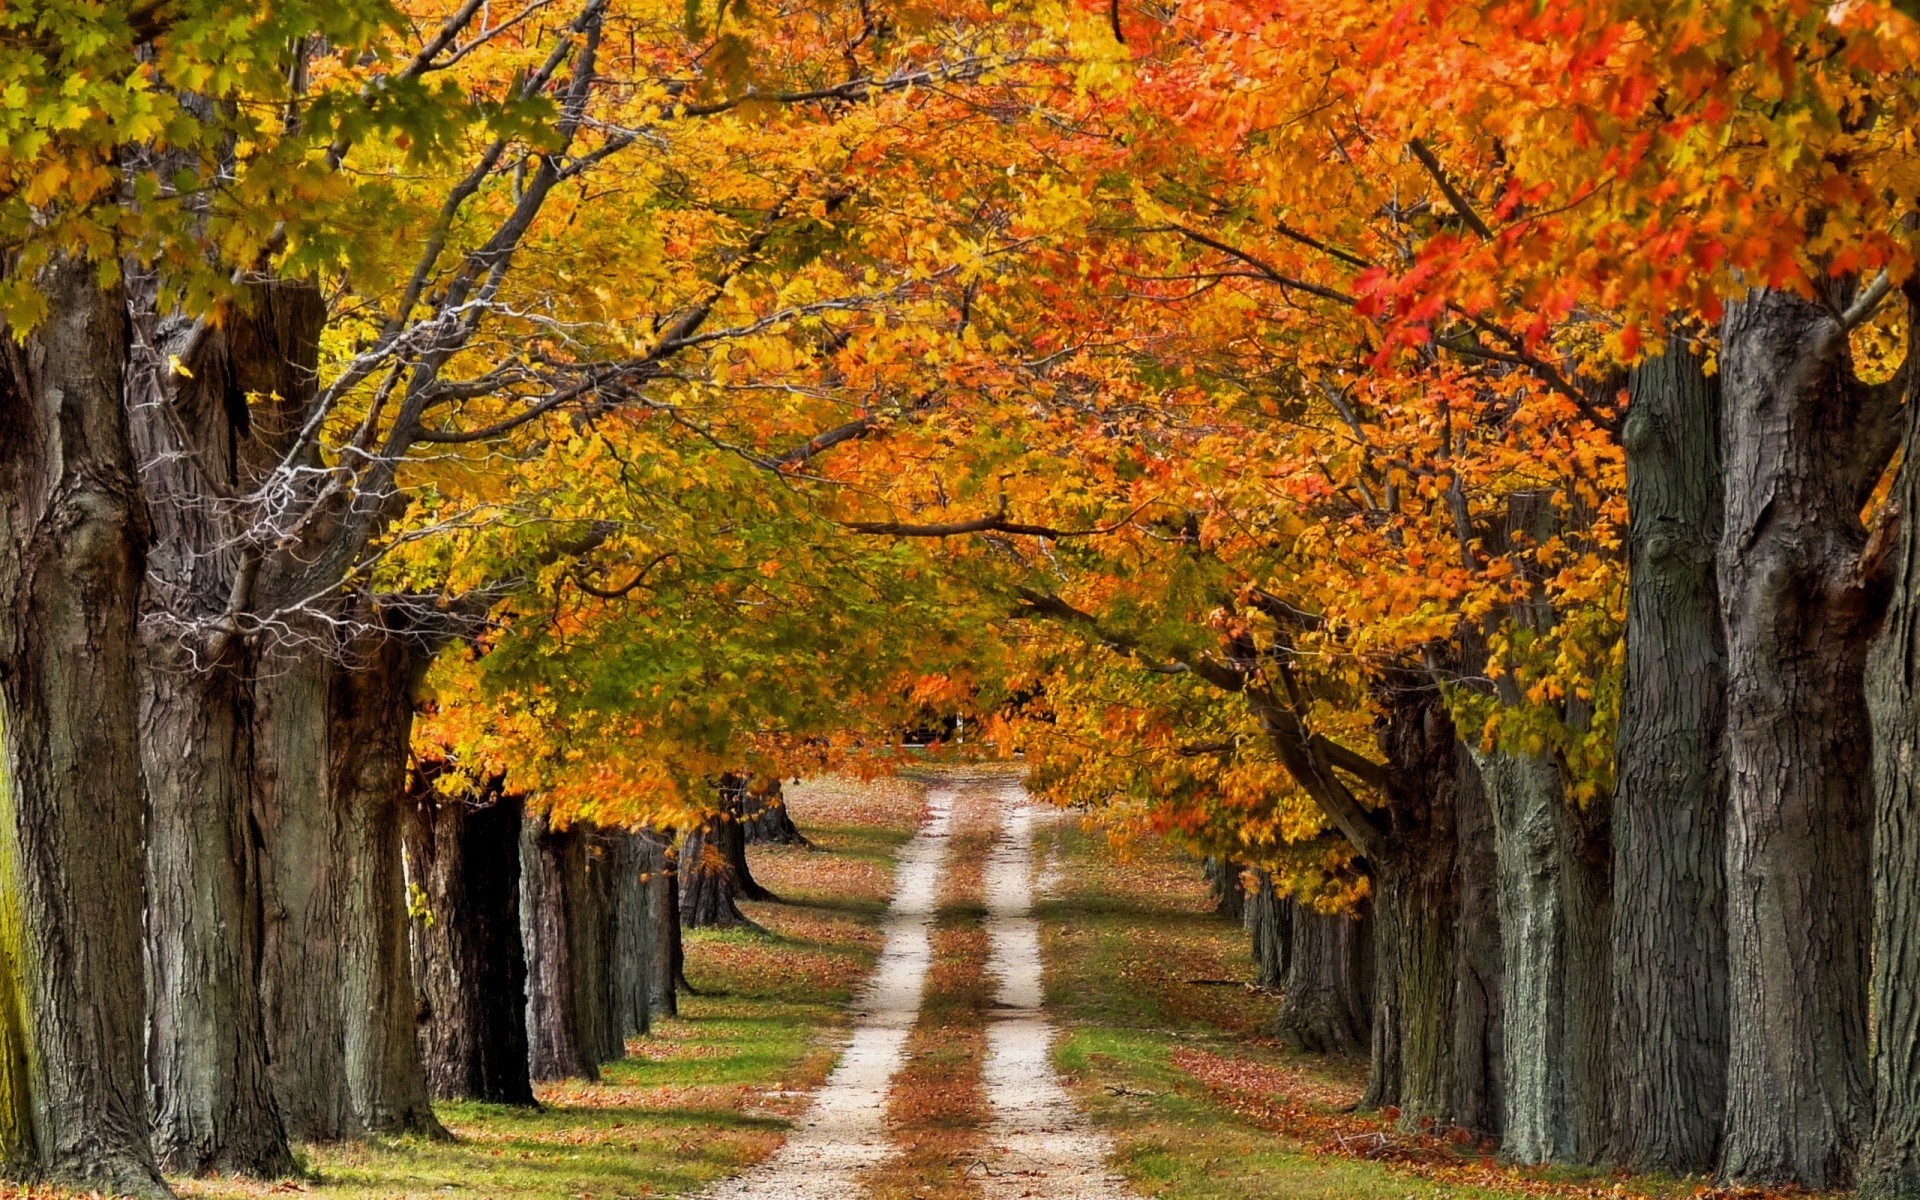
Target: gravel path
{"type": "Point", "coordinates": [1038, 1143]}
{"type": "Point", "coordinates": [844, 1133]}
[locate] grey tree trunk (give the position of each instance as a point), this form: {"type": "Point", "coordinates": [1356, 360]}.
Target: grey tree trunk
{"type": "Point", "coordinates": [468, 961]}
{"type": "Point", "coordinates": [630, 861]}
{"type": "Point", "coordinates": [1269, 921]}
{"type": "Point", "coordinates": [1479, 972]}
{"type": "Point", "coordinates": [331, 742]}
{"type": "Point", "coordinates": [768, 821]}
{"type": "Point", "coordinates": [570, 1002]}
{"type": "Point", "coordinates": [207, 1049]}
{"type": "Point", "coordinates": [714, 876]}
{"type": "Point", "coordinates": [1668, 1083]}
{"type": "Point", "coordinates": [1798, 609]}
{"type": "Point", "coordinates": [1229, 893]}
{"type": "Point", "coordinates": [663, 915]}
{"type": "Point", "coordinates": [1890, 1162]}
{"type": "Point", "coordinates": [370, 739]}
{"type": "Point", "coordinates": [1554, 919]}
{"type": "Point", "coordinates": [1326, 1007]}
{"type": "Point", "coordinates": [73, 539]}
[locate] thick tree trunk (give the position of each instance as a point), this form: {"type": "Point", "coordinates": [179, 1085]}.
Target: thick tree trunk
{"type": "Point", "coordinates": [1798, 616]}
{"type": "Point", "coordinates": [207, 1050]}
{"type": "Point", "coordinates": [301, 869]}
{"type": "Point", "coordinates": [570, 1002]}
{"type": "Point", "coordinates": [1479, 972]}
{"type": "Point", "coordinates": [372, 726]}
{"type": "Point", "coordinates": [1890, 1163]}
{"type": "Point", "coordinates": [1326, 1008]}
{"type": "Point", "coordinates": [633, 934]}
{"type": "Point", "coordinates": [768, 821]}
{"type": "Point", "coordinates": [331, 744]}
{"type": "Point", "coordinates": [596, 939]}
{"type": "Point", "coordinates": [663, 915]}
{"type": "Point", "coordinates": [73, 1099]}
{"type": "Point", "coordinates": [1269, 922]}
{"type": "Point", "coordinates": [1229, 893]}
{"type": "Point", "coordinates": [713, 871]}
{"type": "Point", "coordinates": [1431, 1056]}
{"type": "Point", "coordinates": [1554, 914]}
{"type": "Point", "coordinates": [468, 961]}
{"type": "Point", "coordinates": [1669, 919]}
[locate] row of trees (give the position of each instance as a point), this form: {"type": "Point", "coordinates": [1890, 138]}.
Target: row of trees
{"type": "Point", "coordinates": [1449, 457]}
{"type": "Point", "coordinates": [352, 337]}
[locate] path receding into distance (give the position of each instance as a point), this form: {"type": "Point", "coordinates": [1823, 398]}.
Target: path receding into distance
{"type": "Point", "coordinates": [1038, 1143]}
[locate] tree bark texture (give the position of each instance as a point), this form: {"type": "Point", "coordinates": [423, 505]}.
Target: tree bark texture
{"type": "Point", "coordinates": [768, 820]}
{"type": "Point", "coordinates": [1669, 1008]}
{"type": "Point", "coordinates": [207, 1048]}
{"type": "Point", "coordinates": [1554, 921]}
{"type": "Point", "coordinates": [468, 960]}
{"type": "Point", "coordinates": [73, 540]}
{"type": "Point", "coordinates": [1326, 1009]}
{"type": "Point", "coordinates": [1798, 616]}
{"type": "Point", "coordinates": [714, 874]}
{"type": "Point", "coordinates": [1269, 923]}
{"type": "Point", "coordinates": [663, 915]}
{"type": "Point", "coordinates": [331, 740]}
{"type": "Point", "coordinates": [1479, 973]}
{"type": "Point", "coordinates": [630, 860]}
{"type": "Point", "coordinates": [566, 914]}
{"type": "Point", "coordinates": [1890, 1160]}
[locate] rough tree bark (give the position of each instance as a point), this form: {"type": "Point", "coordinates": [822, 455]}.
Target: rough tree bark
{"type": "Point", "coordinates": [207, 1049]}
{"type": "Point", "coordinates": [1229, 893]}
{"type": "Point", "coordinates": [714, 874]}
{"type": "Point", "coordinates": [630, 862]}
{"type": "Point", "coordinates": [572, 1013]}
{"type": "Point", "coordinates": [1479, 971]}
{"type": "Point", "coordinates": [1554, 915]}
{"type": "Point", "coordinates": [663, 914]}
{"type": "Point", "coordinates": [1890, 1162]}
{"type": "Point", "coordinates": [1669, 948]}
{"type": "Point", "coordinates": [1326, 1008]}
{"type": "Point", "coordinates": [1803, 446]}
{"type": "Point", "coordinates": [73, 539]}
{"type": "Point", "coordinates": [768, 820]}
{"type": "Point", "coordinates": [1269, 922]}
{"type": "Point", "coordinates": [331, 742]}
{"type": "Point", "coordinates": [468, 960]}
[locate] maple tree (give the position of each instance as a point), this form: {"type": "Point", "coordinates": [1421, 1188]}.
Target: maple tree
{"type": "Point", "coordinates": [1447, 457]}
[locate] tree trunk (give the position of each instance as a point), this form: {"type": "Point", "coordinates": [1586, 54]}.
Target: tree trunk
{"type": "Point", "coordinates": [73, 537]}
{"type": "Point", "coordinates": [1554, 916]}
{"type": "Point", "coordinates": [595, 913]}
{"type": "Point", "coordinates": [468, 961]}
{"type": "Point", "coordinates": [1479, 979]}
{"type": "Point", "coordinates": [768, 821]}
{"type": "Point", "coordinates": [301, 867]}
{"type": "Point", "coordinates": [1269, 919]}
{"type": "Point", "coordinates": [1326, 1006]}
{"type": "Point", "coordinates": [1890, 1162]}
{"type": "Point", "coordinates": [663, 915]}
{"type": "Point", "coordinates": [633, 934]}
{"type": "Point", "coordinates": [563, 1025]}
{"type": "Point", "coordinates": [713, 870]}
{"type": "Point", "coordinates": [1229, 894]}
{"type": "Point", "coordinates": [331, 743]}
{"type": "Point", "coordinates": [1798, 617]}
{"type": "Point", "coordinates": [1669, 950]}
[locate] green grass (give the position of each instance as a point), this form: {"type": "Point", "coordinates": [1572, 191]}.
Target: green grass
{"type": "Point", "coordinates": [703, 1097]}
{"type": "Point", "coordinates": [1123, 942]}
